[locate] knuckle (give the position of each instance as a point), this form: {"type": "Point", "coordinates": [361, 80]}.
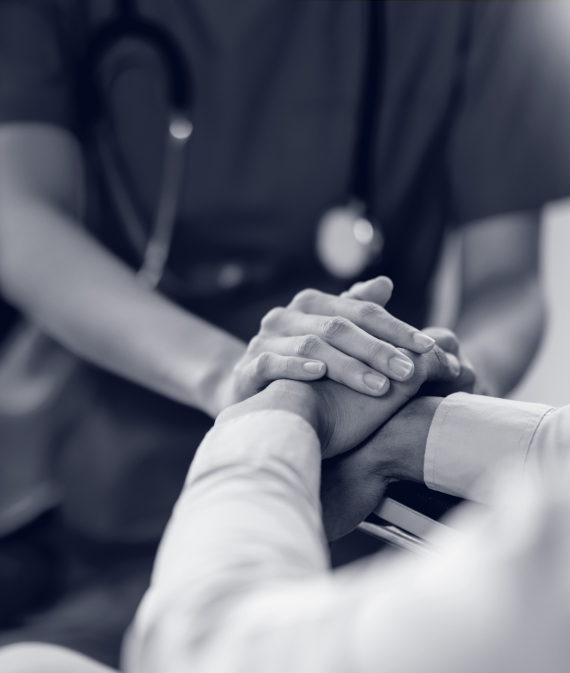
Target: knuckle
{"type": "Point", "coordinates": [255, 344]}
{"type": "Point", "coordinates": [447, 333]}
{"type": "Point", "coordinates": [442, 364]}
{"type": "Point", "coordinates": [449, 337]}
{"type": "Point", "coordinates": [399, 328]}
{"type": "Point", "coordinates": [263, 363]}
{"type": "Point", "coordinates": [271, 319]}
{"type": "Point", "coordinates": [334, 326]}
{"type": "Point", "coordinates": [289, 366]}
{"type": "Point", "coordinates": [349, 368]}
{"type": "Point", "coordinates": [305, 297]}
{"type": "Point", "coordinates": [367, 310]}
{"type": "Point", "coordinates": [444, 337]}
{"type": "Point", "coordinates": [307, 345]}
{"type": "Point", "coordinates": [378, 350]}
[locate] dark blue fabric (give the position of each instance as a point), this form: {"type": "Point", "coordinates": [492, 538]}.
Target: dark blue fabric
{"type": "Point", "coordinates": [475, 121]}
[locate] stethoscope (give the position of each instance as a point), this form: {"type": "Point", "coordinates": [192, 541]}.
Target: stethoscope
{"type": "Point", "coordinates": [347, 238]}
{"type": "Point", "coordinates": [155, 246]}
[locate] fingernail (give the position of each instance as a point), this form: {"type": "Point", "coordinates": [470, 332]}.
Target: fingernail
{"type": "Point", "coordinates": [374, 382]}
{"type": "Point", "coordinates": [402, 367]}
{"type": "Point", "coordinates": [423, 340]}
{"type": "Point", "coordinates": [453, 364]}
{"type": "Point", "coordinates": [313, 367]}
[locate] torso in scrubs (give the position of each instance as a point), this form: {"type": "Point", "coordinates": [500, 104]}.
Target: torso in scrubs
{"type": "Point", "coordinates": [473, 122]}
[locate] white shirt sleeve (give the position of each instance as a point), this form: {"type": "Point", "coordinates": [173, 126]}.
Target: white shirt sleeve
{"type": "Point", "coordinates": [473, 439]}
{"type": "Point", "coordinates": [242, 584]}
{"type": "Point", "coordinates": [249, 515]}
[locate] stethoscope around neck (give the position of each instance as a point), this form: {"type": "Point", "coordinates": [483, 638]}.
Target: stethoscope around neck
{"type": "Point", "coordinates": [153, 247]}
{"type": "Point", "coordinates": [347, 239]}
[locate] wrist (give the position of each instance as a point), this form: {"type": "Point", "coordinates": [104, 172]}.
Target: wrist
{"type": "Point", "coordinates": [403, 439]}
{"type": "Point", "coordinates": [283, 395]}
{"type": "Point", "coordinates": [217, 388]}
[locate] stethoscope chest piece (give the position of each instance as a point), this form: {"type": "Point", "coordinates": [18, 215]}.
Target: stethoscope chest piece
{"type": "Point", "coordinates": [347, 242]}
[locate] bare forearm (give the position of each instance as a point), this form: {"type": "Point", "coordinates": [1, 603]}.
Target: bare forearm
{"type": "Point", "coordinates": [500, 330]}
{"type": "Point", "coordinates": [84, 296]}
{"type": "Point", "coordinates": [92, 303]}
{"type": "Point", "coordinates": [501, 315]}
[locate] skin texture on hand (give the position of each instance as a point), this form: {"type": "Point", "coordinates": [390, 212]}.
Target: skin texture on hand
{"type": "Point", "coordinates": [351, 340]}
{"type": "Point", "coordinates": [354, 482]}
{"type": "Point", "coordinates": [342, 417]}
{"type": "Point", "coordinates": [347, 418]}
{"type": "Point", "coordinates": [467, 379]}
{"type": "Point", "coordinates": [442, 336]}
{"type": "Point", "coordinates": [372, 441]}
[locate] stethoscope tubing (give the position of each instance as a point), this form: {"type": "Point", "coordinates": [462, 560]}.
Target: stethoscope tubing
{"type": "Point", "coordinates": [154, 248]}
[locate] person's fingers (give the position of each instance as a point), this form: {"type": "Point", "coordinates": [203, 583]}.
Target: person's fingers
{"type": "Point", "coordinates": [340, 367]}
{"type": "Point", "coordinates": [444, 338]}
{"type": "Point", "coordinates": [468, 375]}
{"type": "Point", "coordinates": [449, 342]}
{"type": "Point", "coordinates": [268, 367]}
{"type": "Point", "coordinates": [346, 337]}
{"type": "Point", "coordinates": [438, 365]}
{"type": "Point", "coordinates": [464, 383]}
{"type": "Point", "coordinates": [377, 290]}
{"type": "Point", "coordinates": [370, 317]}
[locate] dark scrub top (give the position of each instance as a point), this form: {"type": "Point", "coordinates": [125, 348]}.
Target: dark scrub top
{"type": "Point", "coordinates": [474, 121]}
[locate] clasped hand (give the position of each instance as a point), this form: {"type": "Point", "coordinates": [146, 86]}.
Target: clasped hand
{"type": "Point", "coordinates": [342, 408]}
{"type": "Point", "coordinates": [350, 339]}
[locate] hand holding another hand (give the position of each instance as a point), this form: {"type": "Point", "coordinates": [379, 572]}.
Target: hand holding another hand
{"type": "Point", "coordinates": [353, 483]}
{"type": "Point", "coordinates": [351, 339]}
{"type": "Point", "coordinates": [342, 417]}
{"type": "Point", "coordinates": [364, 459]}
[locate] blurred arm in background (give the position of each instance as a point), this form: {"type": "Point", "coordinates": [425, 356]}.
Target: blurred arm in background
{"type": "Point", "coordinates": [91, 301]}
{"type": "Point", "coordinates": [501, 314]}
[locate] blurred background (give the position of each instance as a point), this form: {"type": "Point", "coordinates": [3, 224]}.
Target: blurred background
{"type": "Point", "coordinates": [545, 380]}
{"type": "Point", "coordinates": [341, 146]}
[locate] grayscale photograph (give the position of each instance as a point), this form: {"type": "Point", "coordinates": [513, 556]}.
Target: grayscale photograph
{"type": "Point", "coordinates": [284, 319]}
